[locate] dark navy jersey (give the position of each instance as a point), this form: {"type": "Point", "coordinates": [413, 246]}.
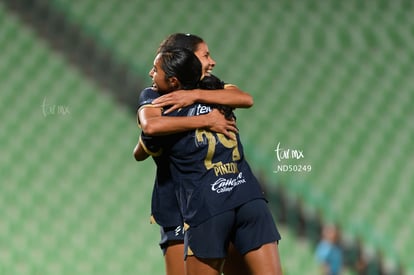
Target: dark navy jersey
{"type": "Point", "coordinates": [211, 169]}
{"type": "Point", "coordinates": [164, 203]}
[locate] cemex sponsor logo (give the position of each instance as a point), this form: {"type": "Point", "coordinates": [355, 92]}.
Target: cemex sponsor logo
{"type": "Point", "coordinates": [222, 185]}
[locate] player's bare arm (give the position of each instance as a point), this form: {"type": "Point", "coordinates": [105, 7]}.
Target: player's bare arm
{"type": "Point", "coordinates": [139, 152]}
{"type": "Point", "coordinates": [230, 96]}
{"type": "Point", "coordinates": [154, 124]}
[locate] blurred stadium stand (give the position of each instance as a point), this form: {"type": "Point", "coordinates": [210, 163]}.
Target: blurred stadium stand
{"type": "Point", "coordinates": [331, 79]}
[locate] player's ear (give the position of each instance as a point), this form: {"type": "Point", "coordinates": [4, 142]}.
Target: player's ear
{"type": "Point", "coordinates": [174, 82]}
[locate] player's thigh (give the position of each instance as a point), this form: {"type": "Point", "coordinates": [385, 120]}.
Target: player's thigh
{"type": "Point", "coordinates": [234, 263]}
{"type": "Point", "coordinates": [174, 258]}
{"type": "Point", "coordinates": [264, 260]}
{"type": "Point", "coordinates": [172, 245]}
{"type": "Point", "coordinates": [197, 266]}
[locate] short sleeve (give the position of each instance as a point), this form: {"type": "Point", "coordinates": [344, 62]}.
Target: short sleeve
{"type": "Point", "coordinates": [147, 96]}
{"type": "Point", "coordinates": [151, 145]}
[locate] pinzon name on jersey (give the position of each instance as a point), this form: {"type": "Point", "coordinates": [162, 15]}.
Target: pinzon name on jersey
{"type": "Point", "coordinates": [227, 168]}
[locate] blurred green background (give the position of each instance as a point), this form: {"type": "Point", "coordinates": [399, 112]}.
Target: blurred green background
{"type": "Point", "coordinates": [332, 79]}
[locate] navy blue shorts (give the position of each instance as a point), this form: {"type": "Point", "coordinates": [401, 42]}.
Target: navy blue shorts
{"type": "Point", "coordinates": [248, 227]}
{"type": "Point", "coordinates": [170, 234]}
